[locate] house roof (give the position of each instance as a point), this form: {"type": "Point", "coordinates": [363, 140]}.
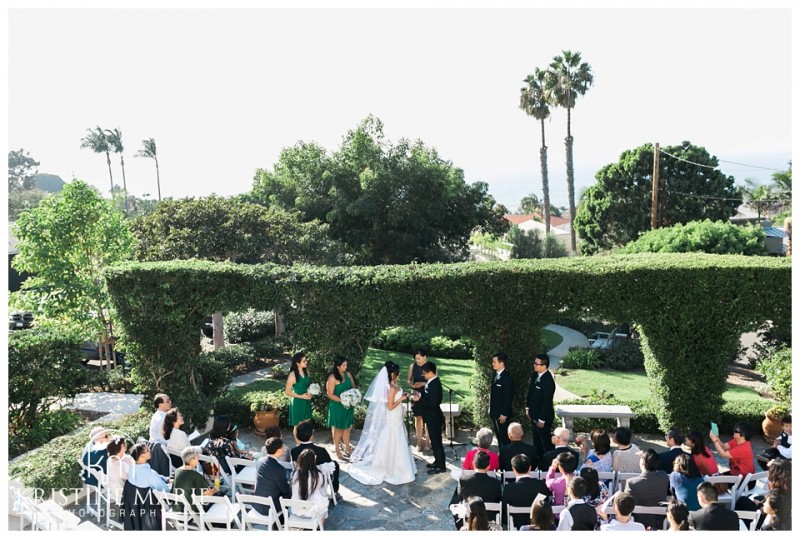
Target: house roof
{"type": "Point", "coordinates": [519, 219]}
{"type": "Point", "coordinates": [773, 232]}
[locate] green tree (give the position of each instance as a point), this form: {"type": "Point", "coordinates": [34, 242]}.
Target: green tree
{"type": "Point", "coordinates": [534, 244]}
{"type": "Point", "coordinates": [388, 203]}
{"type": "Point", "coordinates": [136, 206]}
{"type": "Point", "coordinates": [114, 138]}
{"type": "Point", "coordinates": [21, 170]}
{"type": "Point", "coordinates": [717, 237]}
{"type": "Point", "coordinates": [65, 243]}
{"type": "Point", "coordinates": [535, 100]}
{"type": "Point", "coordinates": [20, 200]}
{"type": "Point", "coordinates": [568, 78]}
{"type": "Point", "coordinates": [760, 196]}
{"type": "Point", "coordinates": [148, 150]}
{"type": "Point", "coordinates": [531, 204]}
{"type": "Point", "coordinates": [96, 141]}
{"type": "Point", "coordinates": [616, 209]}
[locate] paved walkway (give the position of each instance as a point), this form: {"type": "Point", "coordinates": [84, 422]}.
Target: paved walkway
{"type": "Point", "coordinates": [570, 338]}
{"type": "Point", "coordinates": [115, 405]}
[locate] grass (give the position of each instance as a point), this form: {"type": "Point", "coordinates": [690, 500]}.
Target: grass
{"type": "Point", "coordinates": [551, 339]}
{"type": "Point", "coordinates": [453, 372]}
{"type": "Point", "coordinates": [631, 385]}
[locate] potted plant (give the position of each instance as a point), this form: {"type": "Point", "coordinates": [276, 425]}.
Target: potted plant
{"type": "Point", "coordinates": [772, 422]}
{"type": "Point", "coordinates": [265, 405]}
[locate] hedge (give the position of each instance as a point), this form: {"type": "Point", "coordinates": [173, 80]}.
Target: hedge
{"type": "Point", "coordinates": [690, 310]}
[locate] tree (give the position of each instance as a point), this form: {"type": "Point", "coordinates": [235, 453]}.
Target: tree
{"type": "Point", "coordinates": [569, 78]}
{"type": "Point", "coordinates": [96, 141]}
{"type": "Point", "coordinates": [531, 204]}
{"type": "Point", "coordinates": [136, 207]}
{"type": "Point", "coordinates": [21, 170]}
{"type": "Point", "coordinates": [534, 244]}
{"type": "Point", "coordinates": [149, 150]}
{"type": "Point", "coordinates": [114, 138]}
{"type": "Point", "coordinates": [718, 237]}
{"type": "Point", "coordinates": [760, 196]}
{"type": "Point", "coordinates": [616, 209]}
{"type": "Point", "coordinates": [535, 101]}
{"type": "Point", "coordinates": [20, 200]}
{"type": "Point", "coordinates": [388, 203]}
{"type": "Point", "coordinates": [65, 243]}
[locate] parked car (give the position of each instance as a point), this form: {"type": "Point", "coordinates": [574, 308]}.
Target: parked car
{"type": "Point", "coordinates": [91, 352]}
{"type": "Point", "coordinates": [20, 320]}
{"type": "Point", "coordinates": [606, 341]}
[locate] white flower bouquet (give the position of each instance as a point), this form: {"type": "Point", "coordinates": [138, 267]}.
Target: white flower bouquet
{"type": "Point", "coordinates": [350, 398]}
{"type": "Point", "coordinates": [313, 389]}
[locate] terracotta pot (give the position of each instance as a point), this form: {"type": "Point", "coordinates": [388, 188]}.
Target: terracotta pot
{"type": "Point", "coordinates": [264, 420]}
{"type": "Point", "coordinates": [772, 428]}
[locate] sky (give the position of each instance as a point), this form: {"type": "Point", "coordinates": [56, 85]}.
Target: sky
{"type": "Point", "coordinates": [222, 91]}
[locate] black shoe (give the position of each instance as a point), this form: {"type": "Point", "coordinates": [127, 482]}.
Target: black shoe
{"type": "Point", "coordinates": [431, 465]}
{"type": "Point", "coordinates": [436, 470]}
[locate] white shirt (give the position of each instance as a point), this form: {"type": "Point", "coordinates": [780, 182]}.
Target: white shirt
{"type": "Point", "coordinates": [565, 521]}
{"type": "Point", "coordinates": [156, 424]}
{"type": "Point", "coordinates": [429, 381]}
{"type": "Point", "coordinates": [786, 452]}
{"type": "Point", "coordinates": [497, 376]}
{"type": "Point", "coordinates": [178, 440]}
{"type": "Point", "coordinates": [617, 526]}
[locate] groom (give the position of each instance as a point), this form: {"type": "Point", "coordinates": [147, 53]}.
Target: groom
{"type": "Point", "coordinates": [429, 400]}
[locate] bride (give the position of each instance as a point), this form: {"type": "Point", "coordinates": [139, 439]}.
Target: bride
{"type": "Point", "coordinates": [382, 453]}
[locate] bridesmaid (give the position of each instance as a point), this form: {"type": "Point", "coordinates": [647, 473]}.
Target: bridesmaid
{"type": "Point", "coordinates": [340, 419]}
{"type": "Point", "coordinates": [297, 388]}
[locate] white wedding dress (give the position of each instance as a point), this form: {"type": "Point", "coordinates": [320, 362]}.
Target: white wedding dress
{"type": "Point", "coordinates": [384, 451]}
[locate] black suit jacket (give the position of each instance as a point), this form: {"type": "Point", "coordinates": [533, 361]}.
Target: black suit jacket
{"type": "Point", "coordinates": [430, 401]}
{"type": "Point", "coordinates": [547, 458]}
{"type": "Point", "coordinates": [512, 449]}
{"type": "Point", "coordinates": [321, 453]}
{"type": "Point", "coordinates": [271, 481]}
{"type": "Point", "coordinates": [540, 397]}
{"type": "Point", "coordinates": [667, 458]}
{"type": "Point", "coordinates": [714, 517]}
{"type": "Point", "coordinates": [501, 396]}
{"type": "Point", "coordinates": [483, 485]}
{"type": "Point", "coordinates": [141, 510]}
{"type": "Point", "coordinates": [521, 493]}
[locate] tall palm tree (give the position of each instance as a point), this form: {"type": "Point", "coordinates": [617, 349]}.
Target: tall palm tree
{"type": "Point", "coordinates": [534, 99]}
{"type": "Point", "coordinates": [114, 138]}
{"type": "Point", "coordinates": [149, 150]}
{"type": "Point", "coordinates": [760, 196]}
{"type": "Point", "coordinates": [569, 78]}
{"type": "Point", "coordinates": [96, 141]}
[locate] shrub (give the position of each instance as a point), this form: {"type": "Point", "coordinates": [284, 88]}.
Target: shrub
{"type": "Point", "coordinates": [445, 343]}
{"type": "Point", "coordinates": [48, 425]}
{"type": "Point", "coordinates": [715, 237]}
{"type": "Point", "coordinates": [234, 355]}
{"type": "Point", "coordinates": [271, 348]}
{"type": "Point", "coordinates": [585, 326]}
{"type": "Point", "coordinates": [581, 358]}
{"type": "Point", "coordinates": [627, 356]}
{"type": "Point", "coordinates": [777, 368]}
{"type": "Point", "coordinates": [249, 325]}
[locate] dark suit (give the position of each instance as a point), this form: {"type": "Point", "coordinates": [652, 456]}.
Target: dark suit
{"type": "Point", "coordinates": [649, 489]}
{"type": "Point", "coordinates": [430, 405]}
{"type": "Point", "coordinates": [140, 509]}
{"type": "Point", "coordinates": [714, 517]}
{"type": "Point", "coordinates": [540, 407]}
{"type": "Point", "coordinates": [513, 449]}
{"type": "Point", "coordinates": [481, 484]}
{"type": "Point", "coordinates": [521, 493]}
{"type": "Point", "coordinates": [500, 403]}
{"type": "Point", "coordinates": [322, 457]}
{"type": "Point", "coordinates": [547, 458]}
{"type": "Point", "coordinates": [271, 482]}
{"type": "Point", "coordinates": [667, 458]}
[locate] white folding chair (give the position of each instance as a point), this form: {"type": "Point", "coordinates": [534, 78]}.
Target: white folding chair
{"type": "Point", "coordinates": [251, 517]}
{"type": "Point", "coordinates": [101, 495]}
{"type": "Point", "coordinates": [752, 516]}
{"type": "Point", "coordinates": [729, 497]}
{"type": "Point", "coordinates": [512, 510]}
{"type": "Point", "coordinates": [243, 481]}
{"type": "Point", "coordinates": [496, 506]}
{"type": "Point", "coordinates": [170, 453]}
{"type": "Point", "coordinates": [327, 471]}
{"type": "Point", "coordinates": [184, 520]}
{"type": "Point", "coordinates": [30, 512]}
{"type": "Point", "coordinates": [760, 487]}
{"type": "Point", "coordinates": [291, 521]}
{"type": "Point", "coordinates": [622, 478]}
{"type": "Point", "coordinates": [211, 459]}
{"type": "Point", "coordinates": [221, 511]}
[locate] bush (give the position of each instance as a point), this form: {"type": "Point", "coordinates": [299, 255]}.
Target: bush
{"type": "Point", "coordinates": [715, 237]}
{"type": "Point", "coordinates": [582, 358]}
{"type": "Point", "coordinates": [48, 425]}
{"type": "Point", "coordinates": [249, 325]}
{"type": "Point", "coordinates": [445, 343]}
{"type": "Point", "coordinates": [55, 464]}
{"type": "Point", "coordinates": [625, 357]}
{"type": "Point", "coordinates": [234, 356]}
{"type": "Point", "coordinates": [777, 368]}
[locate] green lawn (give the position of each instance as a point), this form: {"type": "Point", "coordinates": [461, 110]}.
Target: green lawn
{"type": "Point", "coordinates": [453, 372]}
{"type": "Point", "coordinates": [551, 339]}
{"type": "Point", "coordinates": [630, 385]}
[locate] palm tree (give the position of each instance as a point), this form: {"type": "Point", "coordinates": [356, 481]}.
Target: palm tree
{"type": "Point", "coordinates": [149, 150]}
{"type": "Point", "coordinates": [760, 196]}
{"type": "Point", "coordinates": [569, 78]}
{"type": "Point", "coordinates": [96, 141]}
{"type": "Point", "coordinates": [782, 184]}
{"type": "Point", "coordinates": [114, 138]}
{"type": "Point", "coordinates": [534, 99]}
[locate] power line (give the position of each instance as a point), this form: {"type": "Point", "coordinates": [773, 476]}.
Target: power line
{"type": "Point", "coordinates": [721, 161]}
{"type": "Point", "coordinates": [707, 197]}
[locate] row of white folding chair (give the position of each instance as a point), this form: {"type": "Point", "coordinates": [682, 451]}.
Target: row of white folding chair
{"type": "Point", "coordinates": [291, 521]}
{"type": "Point", "coordinates": [759, 488]}
{"type": "Point", "coordinates": [251, 517]}
{"type": "Point", "coordinates": [752, 516]}
{"type": "Point", "coordinates": [103, 497]}
{"type": "Point", "coordinates": [49, 516]}
{"type": "Point", "coordinates": [733, 481]}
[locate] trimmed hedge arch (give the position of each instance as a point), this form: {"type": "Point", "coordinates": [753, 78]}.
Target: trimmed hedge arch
{"type": "Point", "coordinates": [690, 310]}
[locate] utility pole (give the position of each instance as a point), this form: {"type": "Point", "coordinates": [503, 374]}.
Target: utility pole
{"type": "Point", "coordinates": [654, 200]}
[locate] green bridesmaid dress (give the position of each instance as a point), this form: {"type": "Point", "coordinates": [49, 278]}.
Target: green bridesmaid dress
{"type": "Point", "coordinates": [300, 409]}
{"type": "Point", "coordinates": [338, 416]}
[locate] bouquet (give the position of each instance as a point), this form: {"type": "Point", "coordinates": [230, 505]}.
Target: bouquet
{"type": "Point", "coordinates": [313, 389]}
{"type": "Point", "coordinates": [350, 398]}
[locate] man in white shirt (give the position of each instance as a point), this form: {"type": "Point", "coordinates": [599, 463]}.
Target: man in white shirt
{"type": "Point", "coordinates": [624, 504]}
{"type": "Point", "coordinates": [162, 403]}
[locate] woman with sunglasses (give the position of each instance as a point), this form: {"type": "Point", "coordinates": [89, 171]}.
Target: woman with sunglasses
{"type": "Point", "coordinates": [739, 451]}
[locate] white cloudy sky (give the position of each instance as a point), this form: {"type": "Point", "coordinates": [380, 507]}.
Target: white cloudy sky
{"type": "Point", "coordinates": [222, 91]}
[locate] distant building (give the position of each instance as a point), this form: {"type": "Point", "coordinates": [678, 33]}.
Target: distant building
{"type": "Point", "coordinates": [559, 226]}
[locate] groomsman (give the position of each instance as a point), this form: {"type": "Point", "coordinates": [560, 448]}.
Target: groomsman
{"type": "Point", "coordinates": [500, 398]}
{"type": "Point", "coordinates": [539, 403]}
{"type": "Point", "coordinates": [430, 400]}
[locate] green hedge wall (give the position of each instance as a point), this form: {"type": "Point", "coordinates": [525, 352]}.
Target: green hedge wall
{"type": "Point", "coordinates": [690, 310]}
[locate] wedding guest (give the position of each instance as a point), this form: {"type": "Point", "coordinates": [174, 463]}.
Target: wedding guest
{"type": "Point", "coordinates": [416, 380]}
{"type": "Point", "coordinates": [650, 488]}
{"type": "Point", "coordinates": [739, 451]}
{"type": "Point", "coordinates": [684, 480]}
{"type": "Point", "coordinates": [564, 463]}
{"type": "Point", "coordinates": [119, 463]}
{"type": "Point", "coordinates": [778, 507]}
{"type": "Point", "coordinates": [162, 404]}
{"type": "Point", "coordinates": [484, 438]}
{"type": "Point", "coordinates": [308, 484]}
{"type": "Point", "coordinates": [172, 433]}
{"type": "Point", "coordinates": [542, 518]}
{"type": "Point", "coordinates": [560, 441]}
{"type": "Point", "coordinates": [625, 458]}
{"type": "Point", "coordinates": [271, 476]}
{"type": "Point", "coordinates": [340, 418]}
{"type": "Point", "coordinates": [674, 439]}
{"type": "Point", "coordinates": [677, 516]}
{"type": "Point", "coordinates": [481, 484]}
{"type": "Point", "coordinates": [596, 490]}
{"type": "Point", "coordinates": [705, 461]}
{"type": "Point", "coordinates": [598, 457]}
{"type": "Point", "coordinates": [304, 434]}
{"type": "Point", "coordinates": [95, 455]}
{"type": "Point", "coordinates": [577, 515]}
{"type": "Point", "coordinates": [623, 520]}
{"type": "Point", "coordinates": [712, 516]}
{"type": "Point", "coordinates": [222, 442]}
{"type": "Point", "coordinates": [297, 389]}
{"type": "Point", "coordinates": [141, 475]}
{"type": "Point", "coordinates": [188, 481]}
{"type": "Point", "coordinates": [515, 447]}
{"type": "Point", "coordinates": [477, 518]}
{"type": "Point", "coordinates": [524, 489]}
